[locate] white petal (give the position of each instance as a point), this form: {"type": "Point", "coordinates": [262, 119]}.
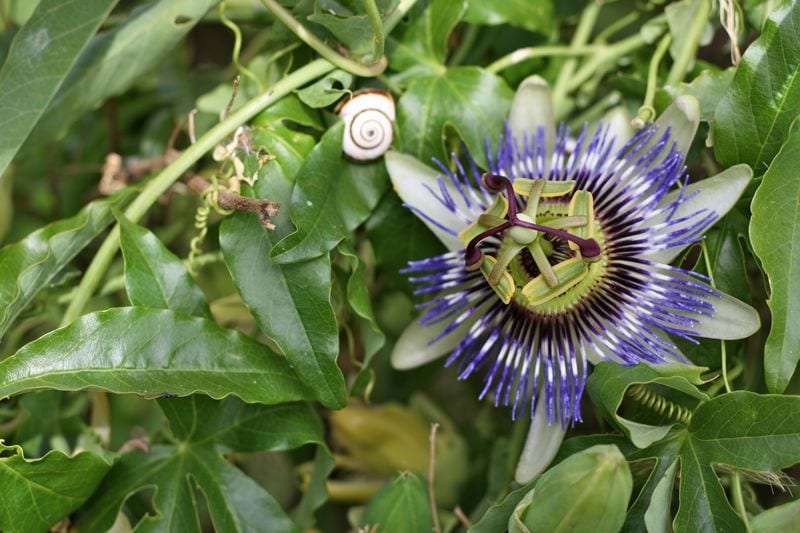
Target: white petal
{"type": "Point", "coordinates": [718, 194]}
{"type": "Point", "coordinates": [619, 123]}
{"type": "Point", "coordinates": [541, 445]}
{"type": "Point", "coordinates": [532, 107]}
{"type": "Point", "coordinates": [413, 349]}
{"type": "Point", "coordinates": [682, 117]}
{"type": "Point", "coordinates": [733, 319]}
{"type": "Point", "coordinates": [410, 177]}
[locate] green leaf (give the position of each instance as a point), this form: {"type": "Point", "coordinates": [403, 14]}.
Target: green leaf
{"type": "Point", "coordinates": [204, 429]}
{"type": "Point", "coordinates": [154, 277]}
{"type": "Point", "coordinates": [39, 493]}
{"type": "Point", "coordinates": [496, 517]}
{"type": "Point", "coordinates": [353, 28]}
{"type": "Point", "coordinates": [708, 87]}
{"type": "Point", "coordinates": [422, 46]}
{"type": "Point", "coordinates": [359, 299]}
{"type": "Point", "coordinates": [775, 232]}
{"type": "Point", "coordinates": [332, 196]}
{"type": "Point", "coordinates": [28, 266]}
{"type": "Point", "coordinates": [400, 506]}
{"type": "Point", "coordinates": [727, 255]}
{"type": "Point", "coordinates": [316, 493]}
{"type": "Point", "coordinates": [6, 201]}
{"type": "Point", "coordinates": [753, 119]}
{"type": "Point", "coordinates": [471, 100]}
{"type": "Point", "coordinates": [117, 58]}
{"type": "Point", "coordinates": [533, 15]}
{"type": "Point", "coordinates": [151, 352]}
{"type": "Point", "coordinates": [291, 303]}
{"type": "Point", "coordinates": [609, 384]}
{"type": "Point", "coordinates": [289, 108]}
{"type": "Point", "coordinates": [781, 519]}
{"type": "Point", "coordinates": [740, 429]}
{"type": "Point", "coordinates": [395, 248]}
{"type": "Point", "coordinates": [42, 54]}
{"type": "Point", "coordinates": [326, 91]}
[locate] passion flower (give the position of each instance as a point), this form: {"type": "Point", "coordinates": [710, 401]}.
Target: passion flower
{"type": "Point", "coordinates": [559, 257]}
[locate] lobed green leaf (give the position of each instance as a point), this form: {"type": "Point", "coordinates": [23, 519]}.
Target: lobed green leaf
{"type": "Point", "coordinates": [151, 352]}
{"type": "Point", "coordinates": [204, 430]}
{"type": "Point", "coordinates": [39, 493]}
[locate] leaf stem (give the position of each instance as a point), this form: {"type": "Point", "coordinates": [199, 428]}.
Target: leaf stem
{"type": "Point", "coordinates": [689, 45]}
{"type": "Point", "coordinates": [377, 28]}
{"type": "Point", "coordinates": [522, 54]}
{"type": "Point", "coordinates": [171, 173]}
{"type": "Point", "coordinates": [323, 49]}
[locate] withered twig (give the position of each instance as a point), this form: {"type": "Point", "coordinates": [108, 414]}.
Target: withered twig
{"type": "Point", "coordinates": [437, 528]}
{"type": "Point", "coordinates": [463, 518]}
{"type": "Point", "coordinates": [264, 209]}
{"type": "Point", "coordinates": [119, 171]}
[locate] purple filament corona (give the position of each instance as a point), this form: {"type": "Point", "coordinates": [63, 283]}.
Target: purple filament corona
{"type": "Point", "coordinates": [524, 355]}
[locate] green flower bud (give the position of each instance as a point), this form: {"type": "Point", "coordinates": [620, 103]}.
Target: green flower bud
{"type": "Point", "coordinates": [390, 437]}
{"type": "Point", "coordinates": [587, 492]}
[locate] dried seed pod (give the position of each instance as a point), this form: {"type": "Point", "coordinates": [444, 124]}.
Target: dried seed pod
{"type": "Point", "coordinates": [369, 119]}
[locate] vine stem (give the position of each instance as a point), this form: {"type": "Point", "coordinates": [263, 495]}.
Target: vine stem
{"type": "Point", "coordinates": [582, 34]}
{"type": "Point", "coordinates": [521, 54]}
{"type": "Point", "coordinates": [723, 347]}
{"type": "Point", "coordinates": [377, 27]}
{"type": "Point", "coordinates": [689, 46]}
{"type": "Point", "coordinates": [738, 500]}
{"type": "Point", "coordinates": [647, 113]}
{"type": "Point", "coordinates": [171, 173]}
{"type": "Point", "coordinates": [604, 56]}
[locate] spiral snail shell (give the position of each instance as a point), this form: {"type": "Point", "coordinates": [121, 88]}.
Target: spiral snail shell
{"type": "Point", "coordinates": [368, 122]}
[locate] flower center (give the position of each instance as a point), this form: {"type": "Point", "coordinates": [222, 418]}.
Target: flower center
{"type": "Point", "coordinates": [550, 252]}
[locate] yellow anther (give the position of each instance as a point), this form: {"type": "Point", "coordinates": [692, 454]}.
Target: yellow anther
{"type": "Point", "coordinates": [505, 286]}
{"type": "Point", "coordinates": [522, 186]}
{"type": "Point", "coordinates": [569, 272]}
{"type": "Point", "coordinates": [582, 204]}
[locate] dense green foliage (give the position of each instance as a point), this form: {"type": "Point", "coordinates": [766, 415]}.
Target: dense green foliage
{"type": "Point", "coordinates": [199, 293]}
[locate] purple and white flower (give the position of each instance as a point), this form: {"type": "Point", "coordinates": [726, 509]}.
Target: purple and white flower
{"type": "Point", "coordinates": [559, 257]}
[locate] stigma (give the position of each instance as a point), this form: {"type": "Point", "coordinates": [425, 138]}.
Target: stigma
{"type": "Point", "coordinates": [538, 251]}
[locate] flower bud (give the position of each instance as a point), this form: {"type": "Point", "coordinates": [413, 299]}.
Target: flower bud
{"type": "Point", "coordinates": [587, 492]}
{"type": "Point", "coordinates": [390, 437]}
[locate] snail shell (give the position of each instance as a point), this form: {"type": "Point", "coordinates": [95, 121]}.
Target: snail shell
{"type": "Point", "coordinates": [368, 122]}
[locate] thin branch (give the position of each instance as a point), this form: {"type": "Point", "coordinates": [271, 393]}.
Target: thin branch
{"type": "Point", "coordinates": [437, 527]}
